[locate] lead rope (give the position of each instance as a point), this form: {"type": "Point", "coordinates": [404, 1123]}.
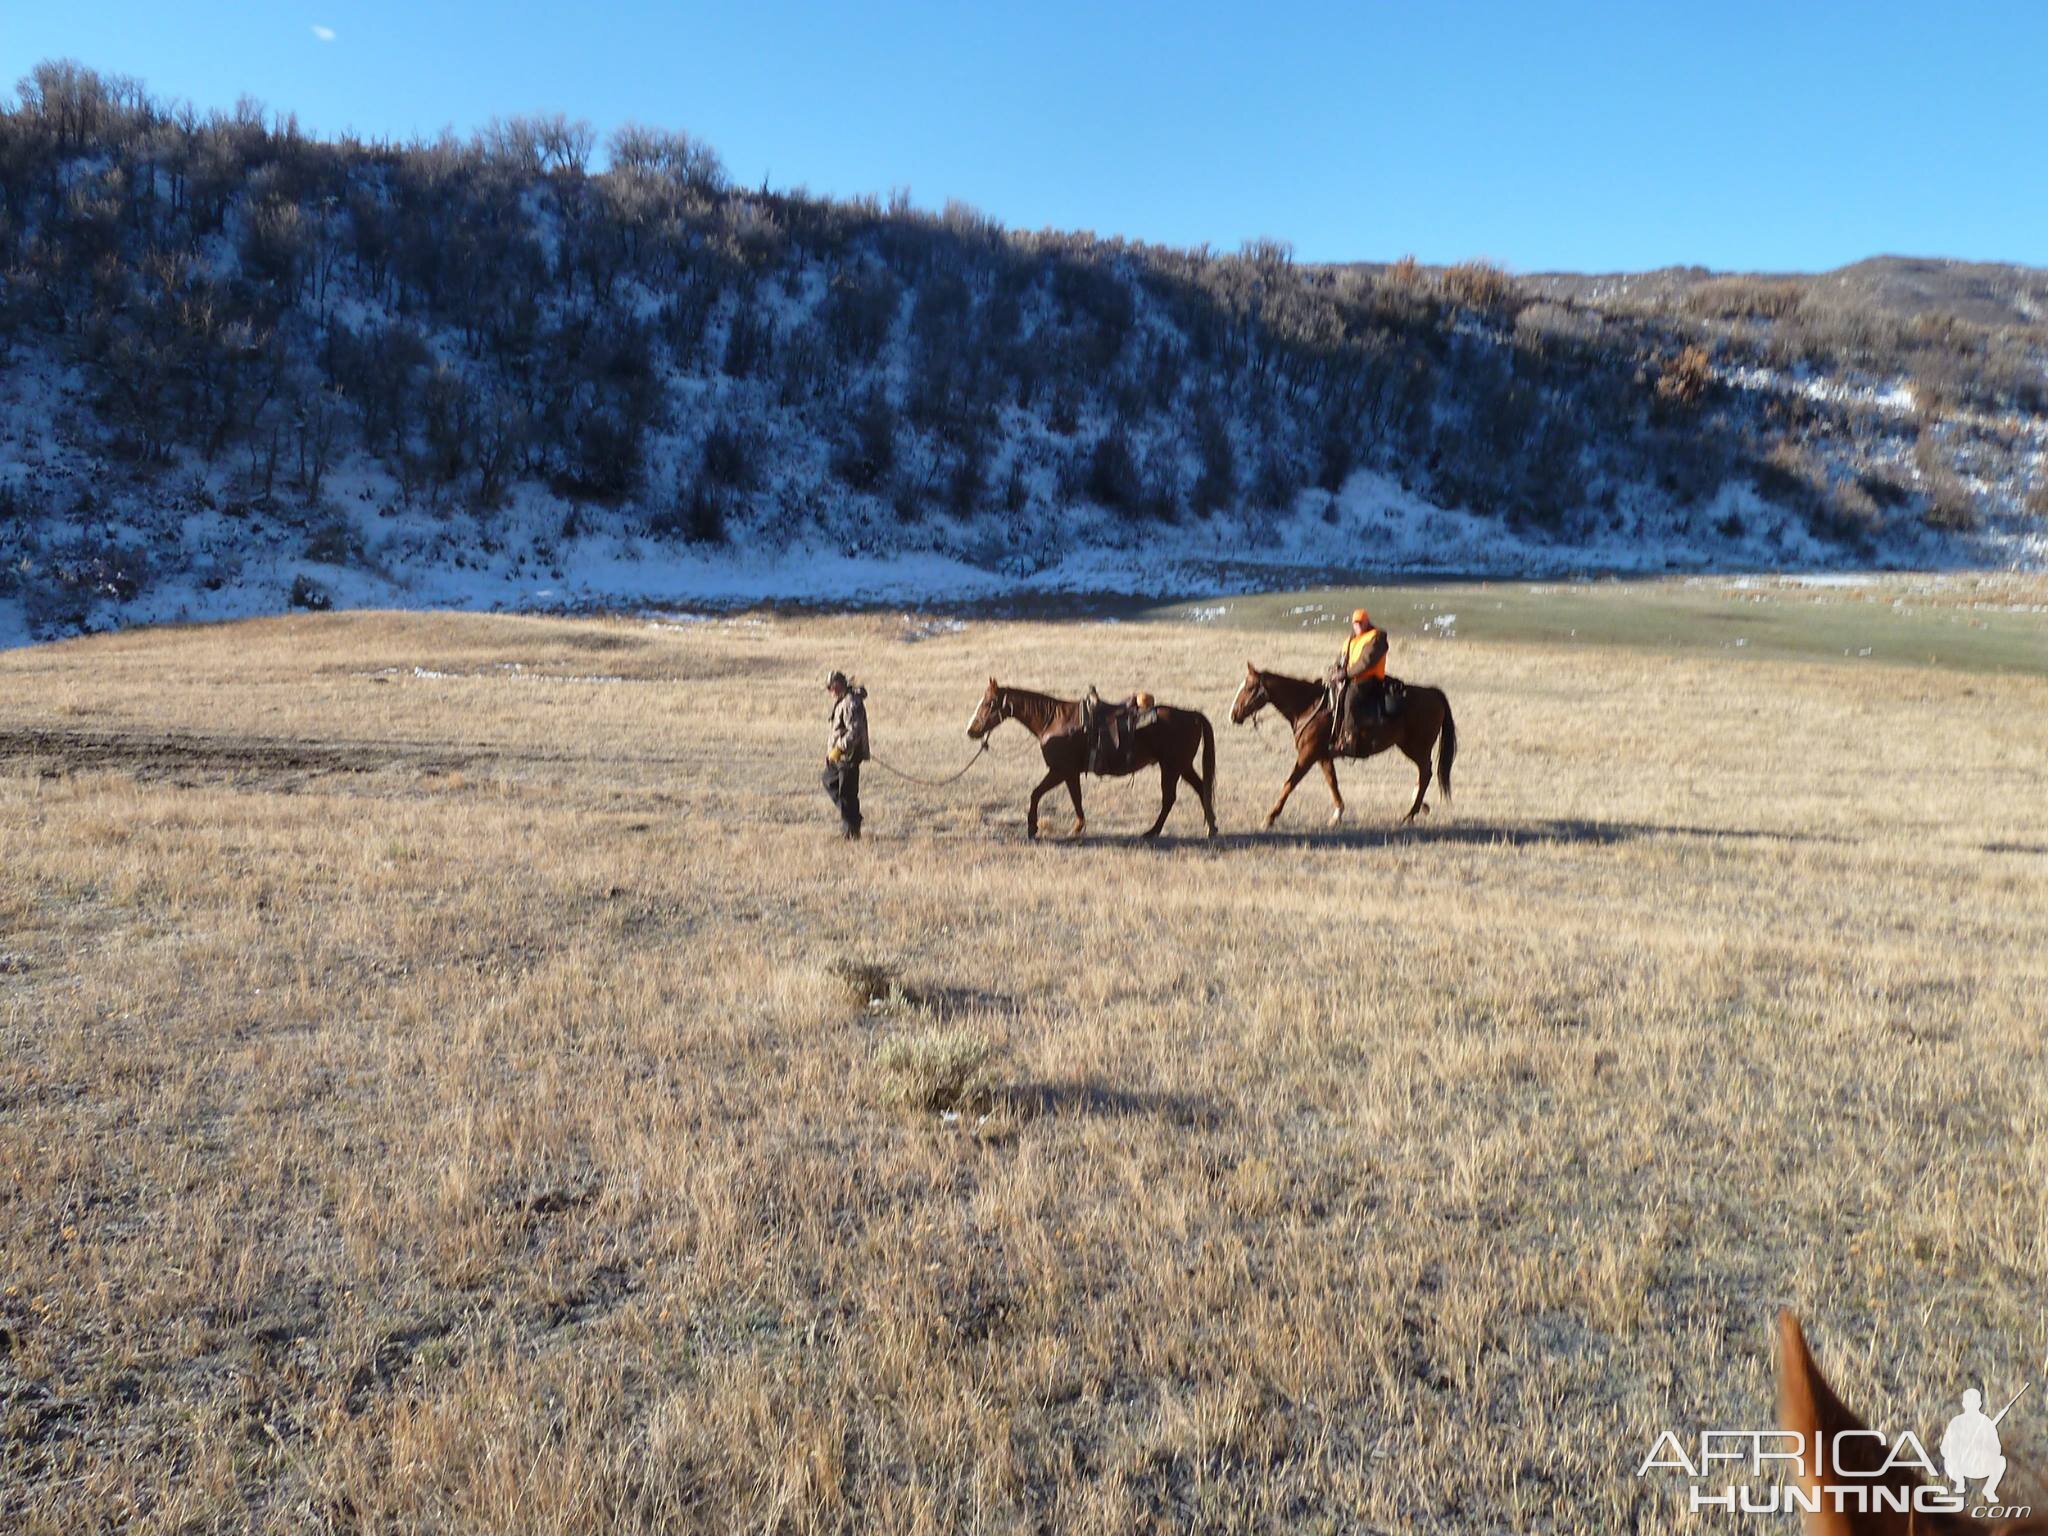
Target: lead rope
{"type": "Point", "coordinates": [935, 783]}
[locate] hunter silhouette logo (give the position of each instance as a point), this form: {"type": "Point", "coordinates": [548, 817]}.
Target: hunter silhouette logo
{"type": "Point", "coordinates": [1864, 1482]}
{"type": "Point", "coordinates": [1970, 1447]}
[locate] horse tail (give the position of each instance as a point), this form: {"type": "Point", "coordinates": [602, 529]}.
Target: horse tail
{"type": "Point", "coordinates": [1450, 751]}
{"type": "Point", "coordinates": [1208, 759]}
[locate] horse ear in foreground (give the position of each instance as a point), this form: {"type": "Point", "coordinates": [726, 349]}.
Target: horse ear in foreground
{"type": "Point", "coordinates": [1424, 722]}
{"type": "Point", "coordinates": [1849, 1454]}
{"type": "Point", "coordinates": [1172, 740]}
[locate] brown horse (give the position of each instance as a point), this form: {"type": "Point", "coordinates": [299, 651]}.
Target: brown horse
{"type": "Point", "coordinates": [1305, 704]}
{"type": "Point", "coordinates": [1171, 741]}
{"type": "Point", "coordinates": [1846, 1453]}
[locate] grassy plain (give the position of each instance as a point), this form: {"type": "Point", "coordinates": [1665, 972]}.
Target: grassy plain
{"type": "Point", "coordinates": [454, 1079]}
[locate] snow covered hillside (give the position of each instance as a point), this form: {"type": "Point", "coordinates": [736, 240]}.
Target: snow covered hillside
{"type": "Point", "coordinates": [241, 369]}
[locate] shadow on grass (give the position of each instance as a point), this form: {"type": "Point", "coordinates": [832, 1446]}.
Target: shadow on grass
{"type": "Point", "coordinates": [1030, 1101]}
{"type": "Point", "coordinates": [1573, 831]}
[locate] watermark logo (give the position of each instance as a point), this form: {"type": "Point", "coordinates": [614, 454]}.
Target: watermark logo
{"type": "Point", "coordinates": [1970, 1448]}
{"type": "Point", "coordinates": [1757, 1471]}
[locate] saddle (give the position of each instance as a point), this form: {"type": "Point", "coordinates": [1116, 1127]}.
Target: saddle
{"type": "Point", "coordinates": [1111, 730]}
{"type": "Point", "coordinates": [1393, 698]}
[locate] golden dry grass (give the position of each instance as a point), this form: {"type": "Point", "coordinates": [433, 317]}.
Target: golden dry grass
{"type": "Point", "coordinates": [430, 1103]}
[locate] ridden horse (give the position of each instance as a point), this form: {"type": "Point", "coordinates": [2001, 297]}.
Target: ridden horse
{"type": "Point", "coordinates": [1847, 1454]}
{"type": "Point", "coordinates": [1171, 741]}
{"type": "Point", "coordinates": [1305, 705]}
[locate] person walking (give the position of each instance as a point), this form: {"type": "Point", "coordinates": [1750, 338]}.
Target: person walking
{"type": "Point", "coordinates": [846, 750]}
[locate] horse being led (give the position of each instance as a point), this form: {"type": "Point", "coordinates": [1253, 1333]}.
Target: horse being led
{"type": "Point", "coordinates": [1171, 741]}
{"type": "Point", "coordinates": [1305, 704]}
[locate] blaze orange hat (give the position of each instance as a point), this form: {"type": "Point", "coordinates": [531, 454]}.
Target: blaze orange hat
{"type": "Point", "coordinates": [1358, 616]}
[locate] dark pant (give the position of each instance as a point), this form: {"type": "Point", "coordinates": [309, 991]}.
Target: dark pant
{"type": "Point", "coordinates": [1361, 709]}
{"type": "Point", "coordinates": [842, 783]}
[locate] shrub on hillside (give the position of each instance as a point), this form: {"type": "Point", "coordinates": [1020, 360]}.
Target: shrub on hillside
{"type": "Point", "coordinates": [1744, 298]}
{"type": "Point", "coordinates": [1112, 479]}
{"type": "Point", "coordinates": [1950, 506]}
{"type": "Point", "coordinates": [1481, 286]}
{"type": "Point", "coordinates": [335, 542]}
{"type": "Point", "coordinates": [867, 448]}
{"type": "Point", "coordinates": [1684, 380]}
{"type": "Point", "coordinates": [860, 309]}
{"type": "Point", "coordinates": [1404, 274]}
{"type": "Point", "coordinates": [730, 457]}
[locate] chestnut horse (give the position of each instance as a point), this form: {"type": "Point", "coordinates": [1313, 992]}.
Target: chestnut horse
{"type": "Point", "coordinates": [1847, 1454]}
{"type": "Point", "coordinates": [1305, 704]}
{"type": "Point", "coordinates": [1171, 741]}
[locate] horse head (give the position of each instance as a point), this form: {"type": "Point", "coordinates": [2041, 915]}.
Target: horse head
{"type": "Point", "coordinates": [991, 712]}
{"type": "Point", "coordinates": [1251, 698]}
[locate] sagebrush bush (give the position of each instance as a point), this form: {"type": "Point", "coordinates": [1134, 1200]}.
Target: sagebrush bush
{"type": "Point", "coordinates": [1744, 298]}
{"type": "Point", "coordinates": [937, 1070]}
{"type": "Point", "coordinates": [1482, 286]}
{"type": "Point", "coordinates": [1685, 379]}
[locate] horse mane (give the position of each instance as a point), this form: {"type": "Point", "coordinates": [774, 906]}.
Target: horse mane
{"type": "Point", "coordinates": [1307, 691]}
{"type": "Point", "coordinates": [1043, 706]}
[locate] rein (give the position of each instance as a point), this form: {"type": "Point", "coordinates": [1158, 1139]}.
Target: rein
{"type": "Point", "coordinates": [935, 783]}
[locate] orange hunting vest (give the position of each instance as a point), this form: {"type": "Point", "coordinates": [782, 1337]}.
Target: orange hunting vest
{"type": "Point", "coordinates": [1357, 646]}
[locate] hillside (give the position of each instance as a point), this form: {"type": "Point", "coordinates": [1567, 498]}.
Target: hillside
{"type": "Point", "coordinates": [245, 368]}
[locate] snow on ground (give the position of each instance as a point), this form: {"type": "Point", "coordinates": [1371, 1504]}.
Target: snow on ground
{"type": "Point", "coordinates": [1373, 527]}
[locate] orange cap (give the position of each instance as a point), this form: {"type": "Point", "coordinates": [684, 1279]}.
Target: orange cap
{"type": "Point", "coordinates": [1358, 616]}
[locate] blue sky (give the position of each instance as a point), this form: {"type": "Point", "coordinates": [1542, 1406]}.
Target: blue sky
{"type": "Point", "coordinates": [1588, 136]}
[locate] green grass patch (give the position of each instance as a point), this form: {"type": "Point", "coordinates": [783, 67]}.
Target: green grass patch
{"type": "Point", "coordinates": [1888, 621]}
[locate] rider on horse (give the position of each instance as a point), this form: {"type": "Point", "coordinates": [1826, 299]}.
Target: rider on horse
{"type": "Point", "coordinates": [1358, 680]}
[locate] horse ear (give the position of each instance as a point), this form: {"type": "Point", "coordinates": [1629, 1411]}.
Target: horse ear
{"type": "Point", "coordinates": [1799, 1404]}
{"type": "Point", "coordinates": [1807, 1406]}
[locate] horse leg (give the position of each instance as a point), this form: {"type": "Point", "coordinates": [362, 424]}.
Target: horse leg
{"type": "Point", "coordinates": [1169, 787]}
{"type": "Point", "coordinates": [1038, 794]}
{"type": "Point", "coordinates": [1329, 767]}
{"type": "Point", "coordinates": [1421, 762]}
{"type": "Point", "coordinates": [1074, 794]}
{"type": "Point", "coordinates": [1294, 778]}
{"type": "Point", "coordinates": [1208, 806]}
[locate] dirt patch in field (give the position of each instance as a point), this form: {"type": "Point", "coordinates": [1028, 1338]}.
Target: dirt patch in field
{"type": "Point", "coordinates": [181, 758]}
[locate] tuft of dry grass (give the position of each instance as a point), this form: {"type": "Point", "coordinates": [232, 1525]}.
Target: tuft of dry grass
{"type": "Point", "coordinates": [870, 983]}
{"type": "Point", "coordinates": [425, 1103]}
{"type": "Point", "coordinates": [937, 1070]}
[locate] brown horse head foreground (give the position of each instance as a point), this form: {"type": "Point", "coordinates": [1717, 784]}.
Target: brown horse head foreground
{"type": "Point", "coordinates": [1846, 1453]}
{"type": "Point", "coordinates": [1305, 704]}
{"type": "Point", "coordinates": [1171, 741]}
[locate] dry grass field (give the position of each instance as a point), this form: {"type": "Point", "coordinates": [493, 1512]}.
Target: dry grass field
{"type": "Point", "coordinates": [443, 1095]}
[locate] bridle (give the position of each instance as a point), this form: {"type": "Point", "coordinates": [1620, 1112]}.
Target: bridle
{"type": "Point", "coordinates": [1003, 710]}
{"type": "Point", "coordinates": [1259, 700]}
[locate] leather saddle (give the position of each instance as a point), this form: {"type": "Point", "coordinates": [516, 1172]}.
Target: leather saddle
{"type": "Point", "coordinates": [1111, 730]}
{"type": "Point", "coordinates": [1393, 698]}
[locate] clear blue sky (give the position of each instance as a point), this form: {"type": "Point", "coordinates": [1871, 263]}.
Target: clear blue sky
{"type": "Point", "coordinates": [1590, 136]}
